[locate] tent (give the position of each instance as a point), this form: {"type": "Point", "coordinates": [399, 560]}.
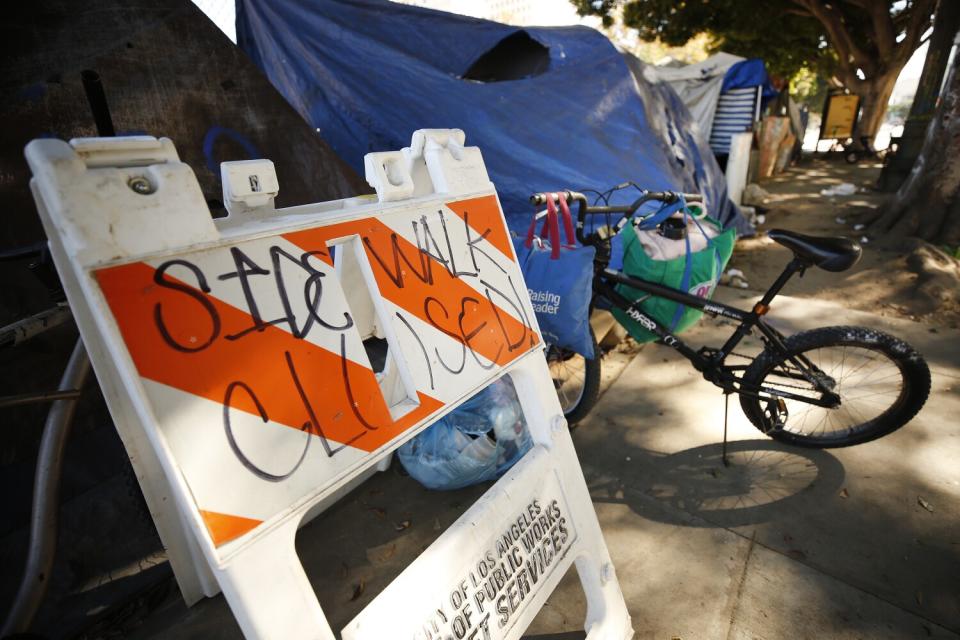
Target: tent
{"type": "Point", "coordinates": [550, 108]}
{"type": "Point", "coordinates": [722, 94]}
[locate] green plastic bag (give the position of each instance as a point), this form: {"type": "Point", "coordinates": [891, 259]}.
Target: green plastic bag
{"type": "Point", "coordinates": [705, 268]}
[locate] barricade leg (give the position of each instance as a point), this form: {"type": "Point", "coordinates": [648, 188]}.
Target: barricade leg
{"type": "Point", "coordinates": [268, 591]}
{"type": "Point", "coordinates": [607, 615]}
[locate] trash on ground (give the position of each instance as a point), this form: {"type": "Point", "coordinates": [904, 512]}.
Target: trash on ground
{"type": "Point", "coordinates": [841, 220]}
{"type": "Point", "coordinates": [859, 227]}
{"type": "Point", "coordinates": [734, 278]}
{"type": "Point", "coordinates": [358, 590]}
{"type": "Point", "coordinates": [844, 493]}
{"type": "Point", "coordinates": [923, 503]}
{"type": "Point", "coordinates": [382, 553]}
{"type": "Point", "coordinates": [754, 194]}
{"type": "Point", "coordinates": [476, 442]}
{"type": "Point", "coordinates": [842, 189]}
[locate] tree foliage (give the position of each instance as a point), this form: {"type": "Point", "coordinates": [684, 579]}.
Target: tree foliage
{"type": "Point", "coordinates": [738, 27]}
{"type": "Point", "coordinates": [858, 44]}
{"type": "Point", "coordinates": [787, 34]}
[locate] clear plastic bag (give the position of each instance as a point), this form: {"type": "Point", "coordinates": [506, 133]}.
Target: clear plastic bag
{"type": "Point", "coordinates": [476, 442]}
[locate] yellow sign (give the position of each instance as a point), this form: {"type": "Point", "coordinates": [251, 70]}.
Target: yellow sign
{"type": "Point", "coordinates": [840, 117]}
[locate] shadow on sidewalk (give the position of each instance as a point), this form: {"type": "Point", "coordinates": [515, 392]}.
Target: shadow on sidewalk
{"type": "Point", "coordinates": [763, 478]}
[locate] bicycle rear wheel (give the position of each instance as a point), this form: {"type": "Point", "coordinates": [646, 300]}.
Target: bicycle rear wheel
{"type": "Point", "coordinates": [576, 379]}
{"type": "Point", "coordinates": [880, 383]}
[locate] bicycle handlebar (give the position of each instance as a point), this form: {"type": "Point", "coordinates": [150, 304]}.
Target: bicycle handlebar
{"type": "Point", "coordinates": [667, 197]}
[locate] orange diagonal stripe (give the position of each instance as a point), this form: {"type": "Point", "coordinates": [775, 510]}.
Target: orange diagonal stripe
{"type": "Point", "coordinates": [428, 291]}
{"type": "Point", "coordinates": [483, 216]}
{"type": "Point", "coordinates": [344, 397]}
{"type": "Point", "coordinates": [224, 527]}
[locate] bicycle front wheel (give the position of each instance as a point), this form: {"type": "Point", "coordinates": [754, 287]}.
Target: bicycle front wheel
{"type": "Point", "coordinates": [876, 384]}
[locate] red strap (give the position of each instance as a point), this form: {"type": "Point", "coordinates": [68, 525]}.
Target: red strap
{"type": "Point", "coordinates": [551, 228]}
{"type": "Point", "coordinates": [551, 213]}
{"type": "Point", "coordinates": [567, 223]}
{"type": "Point", "coordinates": [530, 232]}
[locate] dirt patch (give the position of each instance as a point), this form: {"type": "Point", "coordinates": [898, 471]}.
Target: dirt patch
{"type": "Point", "coordinates": [902, 278]}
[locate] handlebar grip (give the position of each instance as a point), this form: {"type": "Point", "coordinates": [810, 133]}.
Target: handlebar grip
{"type": "Point", "coordinates": [569, 196]}
{"type": "Point", "coordinates": [671, 196]}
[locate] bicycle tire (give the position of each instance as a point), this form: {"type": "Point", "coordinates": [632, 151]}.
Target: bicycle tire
{"type": "Point", "coordinates": [575, 406]}
{"type": "Point", "coordinates": [912, 374]}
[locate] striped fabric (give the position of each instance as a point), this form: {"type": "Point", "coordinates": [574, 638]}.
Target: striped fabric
{"type": "Point", "coordinates": [736, 111]}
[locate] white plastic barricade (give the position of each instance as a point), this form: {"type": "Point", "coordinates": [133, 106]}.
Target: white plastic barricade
{"type": "Point", "coordinates": [259, 365]}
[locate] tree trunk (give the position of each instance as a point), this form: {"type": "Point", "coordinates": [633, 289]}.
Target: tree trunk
{"type": "Point", "coordinates": [927, 206]}
{"type": "Point", "coordinates": [874, 95]}
{"type": "Point", "coordinates": [924, 107]}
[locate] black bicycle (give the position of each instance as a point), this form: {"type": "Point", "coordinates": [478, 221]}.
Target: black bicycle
{"type": "Point", "coordinates": [827, 387]}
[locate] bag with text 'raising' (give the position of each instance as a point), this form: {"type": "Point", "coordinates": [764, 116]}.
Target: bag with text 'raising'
{"type": "Point", "coordinates": [559, 280]}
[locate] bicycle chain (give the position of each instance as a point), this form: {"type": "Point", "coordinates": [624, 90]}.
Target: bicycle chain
{"type": "Point", "coordinates": [779, 384]}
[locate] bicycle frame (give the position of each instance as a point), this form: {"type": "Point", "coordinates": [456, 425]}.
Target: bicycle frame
{"type": "Point", "coordinates": [711, 362]}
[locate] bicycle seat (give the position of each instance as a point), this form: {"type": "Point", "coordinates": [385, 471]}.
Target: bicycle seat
{"type": "Point", "coordinates": [831, 254]}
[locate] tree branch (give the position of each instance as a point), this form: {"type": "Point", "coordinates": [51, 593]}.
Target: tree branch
{"type": "Point", "coordinates": [917, 23]}
{"type": "Point", "coordinates": [851, 56]}
{"type": "Point", "coordinates": [883, 32]}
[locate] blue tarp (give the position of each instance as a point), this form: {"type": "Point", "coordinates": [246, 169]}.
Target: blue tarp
{"type": "Point", "coordinates": [367, 73]}
{"type": "Point", "coordinates": [749, 73]}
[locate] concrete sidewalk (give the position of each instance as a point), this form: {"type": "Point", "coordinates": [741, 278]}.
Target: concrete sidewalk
{"type": "Point", "coordinates": [785, 543]}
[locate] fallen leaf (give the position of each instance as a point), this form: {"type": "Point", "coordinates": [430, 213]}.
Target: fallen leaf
{"type": "Point", "coordinates": [926, 505]}
{"type": "Point", "coordinates": [358, 590]}
{"type": "Point", "coordinates": [844, 493]}
{"type": "Point", "coordinates": [377, 511]}
{"type": "Point", "coordinates": [400, 526]}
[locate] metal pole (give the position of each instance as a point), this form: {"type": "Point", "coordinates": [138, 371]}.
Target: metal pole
{"type": "Point", "coordinates": [93, 87]}
{"type": "Point", "coordinates": [46, 498]}
{"type": "Point", "coordinates": [37, 398]}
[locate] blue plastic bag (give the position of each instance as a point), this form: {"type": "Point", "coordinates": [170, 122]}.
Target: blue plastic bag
{"type": "Point", "coordinates": [476, 442]}
{"type": "Point", "coordinates": [559, 281]}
